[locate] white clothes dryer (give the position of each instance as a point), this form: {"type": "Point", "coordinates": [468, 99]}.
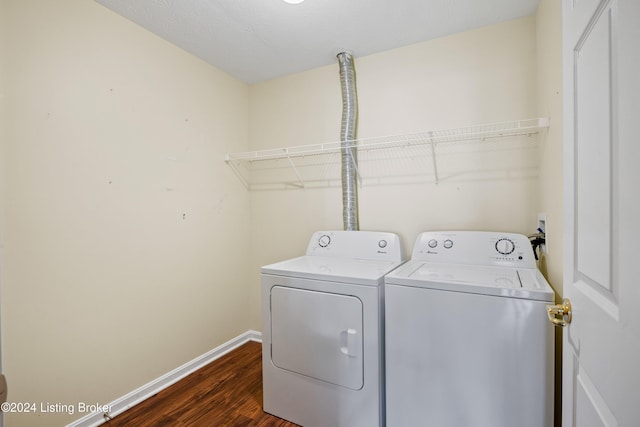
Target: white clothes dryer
{"type": "Point", "coordinates": [468, 342]}
{"type": "Point", "coordinates": [322, 339]}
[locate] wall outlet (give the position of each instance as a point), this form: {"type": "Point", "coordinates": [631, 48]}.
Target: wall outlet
{"type": "Point", "coordinates": [542, 227]}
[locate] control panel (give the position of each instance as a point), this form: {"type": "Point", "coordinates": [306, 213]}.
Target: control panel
{"type": "Point", "coordinates": [474, 247]}
{"type": "Point", "coordinates": [374, 245]}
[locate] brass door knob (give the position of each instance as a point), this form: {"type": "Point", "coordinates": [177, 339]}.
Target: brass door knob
{"type": "Point", "coordinates": [560, 314]}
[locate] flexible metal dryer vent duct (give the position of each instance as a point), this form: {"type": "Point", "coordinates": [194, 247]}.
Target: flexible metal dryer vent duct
{"type": "Point", "coordinates": [348, 142]}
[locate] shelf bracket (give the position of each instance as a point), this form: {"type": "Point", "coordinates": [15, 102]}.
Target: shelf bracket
{"type": "Point", "coordinates": [236, 169]}
{"type": "Point", "coordinates": [433, 156]}
{"type": "Point", "coordinates": [295, 170]}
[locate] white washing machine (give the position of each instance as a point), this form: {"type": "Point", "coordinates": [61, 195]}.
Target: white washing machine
{"type": "Point", "coordinates": [468, 342]}
{"type": "Point", "coordinates": [322, 340]}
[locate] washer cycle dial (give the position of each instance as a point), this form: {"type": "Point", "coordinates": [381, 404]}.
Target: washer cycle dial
{"type": "Point", "coordinates": [505, 246]}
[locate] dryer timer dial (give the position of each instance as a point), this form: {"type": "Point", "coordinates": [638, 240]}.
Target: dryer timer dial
{"type": "Point", "coordinates": [324, 241]}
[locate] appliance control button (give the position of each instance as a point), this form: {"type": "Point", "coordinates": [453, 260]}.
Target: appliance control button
{"type": "Point", "coordinates": [433, 243]}
{"type": "Point", "coordinates": [382, 244]}
{"type": "Point", "coordinates": [324, 241]}
{"type": "Point", "coordinates": [448, 244]}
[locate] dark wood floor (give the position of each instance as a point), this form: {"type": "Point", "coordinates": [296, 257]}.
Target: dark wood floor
{"type": "Point", "coordinates": [227, 392]}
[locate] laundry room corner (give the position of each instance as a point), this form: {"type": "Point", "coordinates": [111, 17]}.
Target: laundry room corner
{"type": "Point", "coordinates": [135, 248]}
{"type": "Point", "coordinates": [479, 76]}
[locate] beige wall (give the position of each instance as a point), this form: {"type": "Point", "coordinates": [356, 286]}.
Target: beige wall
{"type": "Point", "coordinates": [549, 53]}
{"type": "Point", "coordinates": [549, 67]}
{"type": "Point", "coordinates": [481, 76]}
{"type": "Point", "coordinates": [124, 233]}
{"type": "Point", "coordinates": [3, 27]}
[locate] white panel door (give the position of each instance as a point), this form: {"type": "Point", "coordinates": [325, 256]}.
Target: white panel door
{"type": "Point", "coordinates": [601, 346]}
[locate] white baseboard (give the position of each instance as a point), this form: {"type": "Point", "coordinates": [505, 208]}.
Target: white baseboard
{"type": "Point", "coordinates": [129, 400]}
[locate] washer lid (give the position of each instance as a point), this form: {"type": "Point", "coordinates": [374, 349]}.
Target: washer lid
{"type": "Point", "coordinates": [333, 269]}
{"type": "Point", "coordinates": [525, 283]}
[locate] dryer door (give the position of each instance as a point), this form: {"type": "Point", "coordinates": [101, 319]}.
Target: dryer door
{"type": "Point", "coordinates": [317, 334]}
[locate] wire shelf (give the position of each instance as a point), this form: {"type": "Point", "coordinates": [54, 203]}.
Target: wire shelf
{"type": "Point", "coordinates": [380, 159]}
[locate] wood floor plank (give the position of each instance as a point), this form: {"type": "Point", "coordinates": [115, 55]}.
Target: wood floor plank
{"type": "Point", "coordinates": [226, 392]}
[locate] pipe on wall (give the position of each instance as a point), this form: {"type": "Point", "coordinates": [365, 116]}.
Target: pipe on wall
{"type": "Point", "coordinates": [349, 153]}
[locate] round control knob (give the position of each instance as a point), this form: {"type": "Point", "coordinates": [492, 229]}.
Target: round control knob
{"type": "Point", "coordinates": [324, 241]}
{"type": "Point", "coordinates": [505, 246]}
{"type": "Point", "coordinates": [448, 244]}
{"type": "Point", "coordinates": [432, 243]}
{"type": "Point", "coordinates": [382, 244]}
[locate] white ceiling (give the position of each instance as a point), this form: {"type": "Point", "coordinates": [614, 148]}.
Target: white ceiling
{"type": "Point", "coordinates": [257, 40]}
